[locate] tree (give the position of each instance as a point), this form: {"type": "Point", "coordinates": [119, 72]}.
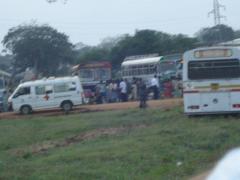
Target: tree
{"type": "Point", "coordinates": [216, 34]}
{"type": "Point", "coordinates": [39, 47]}
{"type": "Point", "coordinates": [142, 42]}
{"type": "Point", "coordinates": [237, 34]}
{"type": "Point", "coordinates": [92, 54]}
{"type": "Point", "coordinates": [148, 42]}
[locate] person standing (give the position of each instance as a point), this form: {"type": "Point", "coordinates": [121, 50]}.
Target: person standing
{"type": "Point", "coordinates": [168, 89]}
{"type": "Point", "coordinates": [115, 92]}
{"type": "Point", "coordinates": [155, 87]}
{"type": "Point", "coordinates": [143, 93]}
{"type": "Point", "coordinates": [98, 95]}
{"type": "Point", "coordinates": [5, 101]}
{"type": "Point", "coordinates": [102, 90]}
{"type": "Point", "coordinates": [134, 89]}
{"type": "Point", "coordinates": [123, 90]}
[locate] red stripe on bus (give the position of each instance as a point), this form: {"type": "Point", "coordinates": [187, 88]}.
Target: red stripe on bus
{"type": "Point", "coordinates": [235, 90]}
{"type": "Point", "coordinates": [188, 92]}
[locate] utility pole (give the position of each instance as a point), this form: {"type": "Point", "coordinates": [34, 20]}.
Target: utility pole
{"type": "Point", "coordinates": [216, 12]}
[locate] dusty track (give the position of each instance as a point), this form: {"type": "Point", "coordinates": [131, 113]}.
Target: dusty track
{"type": "Point", "coordinates": [161, 104]}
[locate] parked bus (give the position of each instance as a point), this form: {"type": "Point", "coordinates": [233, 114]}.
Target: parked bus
{"type": "Point", "coordinates": [91, 74]}
{"type": "Point", "coordinates": [211, 78]}
{"type": "Point", "coordinates": [145, 67]}
{"type": "Point", "coordinates": [170, 66]}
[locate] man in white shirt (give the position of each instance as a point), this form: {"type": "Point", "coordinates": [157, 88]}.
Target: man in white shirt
{"type": "Point", "coordinates": [154, 81]}
{"type": "Point", "coordinates": [155, 87]}
{"type": "Point", "coordinates": [123, 90]}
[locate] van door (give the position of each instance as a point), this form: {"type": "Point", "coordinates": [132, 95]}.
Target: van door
{"type": "Point", "coordinates": [23, 96]}
{"type": "Point", "coordinates": [44, 96]}
{"type": "Point", "coordinates": [64, 91]}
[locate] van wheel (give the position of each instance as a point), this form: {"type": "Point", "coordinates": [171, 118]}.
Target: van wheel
{"type": "Point", "coordinates": [67, 106]}
{"type": "Point", "coordinates": [26, 110]}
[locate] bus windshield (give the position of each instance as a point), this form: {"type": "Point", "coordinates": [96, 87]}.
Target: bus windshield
{"type": "Point", "coordinates": [167, 66]}
{"type": "Point", "coordinates": [103, 74]}
{"type": "Point", "coordinates": [214, 69]}
{"type": "Point", "coordinates": [86, 73]}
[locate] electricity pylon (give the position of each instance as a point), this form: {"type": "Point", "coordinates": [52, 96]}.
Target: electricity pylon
{"type": "Point", "coordinates": [216, 12]}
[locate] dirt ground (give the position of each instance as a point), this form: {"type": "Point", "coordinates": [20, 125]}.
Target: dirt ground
{"type": "Point", "coordinates": [45, 146]}
{"type": "Point", "coordinates": [162, 104]}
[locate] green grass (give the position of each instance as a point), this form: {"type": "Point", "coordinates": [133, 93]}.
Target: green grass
{"type": "Point", "coordinates": [150, 152]}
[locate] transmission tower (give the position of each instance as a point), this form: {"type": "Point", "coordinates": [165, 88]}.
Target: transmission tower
{"type": "Point", "coordinates": [216, 12]}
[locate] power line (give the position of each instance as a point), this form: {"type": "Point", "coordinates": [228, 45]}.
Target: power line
{"type": "Point", "coordinates": [216, 12]}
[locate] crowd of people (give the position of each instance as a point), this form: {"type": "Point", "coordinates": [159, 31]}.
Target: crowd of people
{"type": "Point", "coordinates": [124, 90]}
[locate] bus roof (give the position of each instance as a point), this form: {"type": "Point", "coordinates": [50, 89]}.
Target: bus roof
{"type": "Point", "coordinates": [4, 73]}
{"type": "Point", "coordinates": [92, 65]}
{"type": "Point", "coordinates": [172, 57]}
{"type": "Point", "coordinates": [151, 60]}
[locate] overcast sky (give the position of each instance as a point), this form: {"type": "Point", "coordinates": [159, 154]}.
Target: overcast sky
{"type": "Point", "coordinates": [89, 21]}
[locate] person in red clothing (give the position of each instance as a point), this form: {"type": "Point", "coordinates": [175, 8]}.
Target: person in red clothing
{"type": "Point", "coordinates": [168, 89]}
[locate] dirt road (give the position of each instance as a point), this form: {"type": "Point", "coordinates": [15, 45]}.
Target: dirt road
{"type": "Point", "coordinates": [162, 104]}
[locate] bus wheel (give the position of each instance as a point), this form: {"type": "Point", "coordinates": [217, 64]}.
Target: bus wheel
{"type": "Point", "coordinates": [67, 106]}
{"type": "Point", "coordinates": [25, 110]}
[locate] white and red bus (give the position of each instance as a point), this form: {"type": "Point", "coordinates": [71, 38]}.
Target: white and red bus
{"type": "Point", "coordinates": [211, 80]}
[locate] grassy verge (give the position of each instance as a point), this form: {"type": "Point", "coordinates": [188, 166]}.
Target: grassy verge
{"type": "Point", "coordinates": [132, 144]}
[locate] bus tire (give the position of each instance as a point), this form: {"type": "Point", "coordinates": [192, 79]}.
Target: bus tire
{"type": "Point", "coordinates": [25, 110]}
{"type": "Point", "coordinates": [66, 106]}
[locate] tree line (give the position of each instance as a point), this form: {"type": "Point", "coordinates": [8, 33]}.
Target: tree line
{"type": "Point", "coordinates": [48, 51]}
{"type": "Point", "coordinates": [150, 41]}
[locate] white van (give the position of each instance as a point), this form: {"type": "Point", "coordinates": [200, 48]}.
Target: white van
{"type": "Point", "coordinates": [48, 93]}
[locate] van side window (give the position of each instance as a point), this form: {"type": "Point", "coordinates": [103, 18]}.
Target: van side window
{"type": "Point", "coordinates": [40, 90]}
{"type": "Point", "coordinates": [72, 86]}
{"type": "Point", "coordinates": [48, 89]}
{"type": "Point", "coordinates": [65, 87]}
{"type": "Point", "coordinates": [61, 87]}
{"type": "Point", "coordinates": [23, 91]}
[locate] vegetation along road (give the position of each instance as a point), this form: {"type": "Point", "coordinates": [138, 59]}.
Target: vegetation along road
{"type": "Point", "coordinates": [155, 143]}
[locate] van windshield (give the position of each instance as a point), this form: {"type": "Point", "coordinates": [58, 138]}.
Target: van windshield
{"type": "Point", "coordinates": [22, 91]}
{"type": "Point", "coordinates": [214, 69]}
